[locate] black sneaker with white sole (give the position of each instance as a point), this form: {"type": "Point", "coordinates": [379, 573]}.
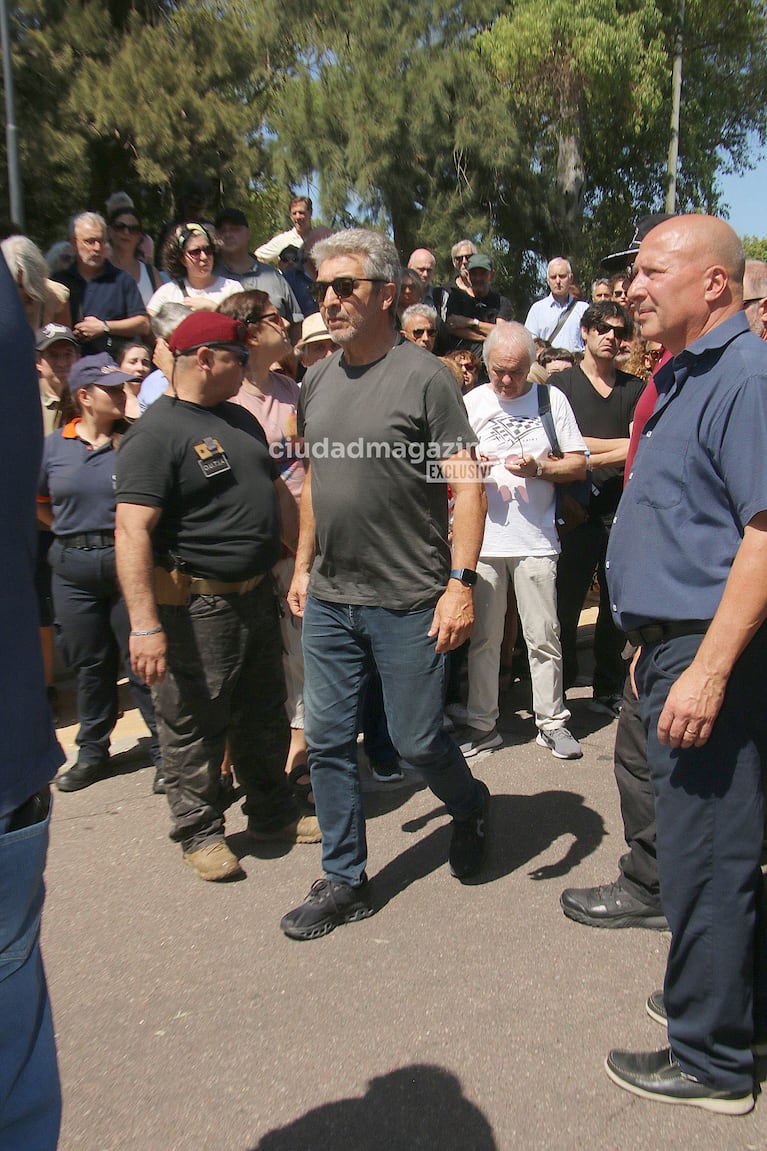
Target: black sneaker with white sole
{"type": "Point", "coordinates": [657, 1075]}
{"type": "Point", "coordinates": [328, 905]}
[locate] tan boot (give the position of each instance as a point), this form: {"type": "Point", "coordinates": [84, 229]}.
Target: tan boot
{"type": "Point", "coordinates": [305, 829]}
{"type": "Point", "coordinates": [214, 861]}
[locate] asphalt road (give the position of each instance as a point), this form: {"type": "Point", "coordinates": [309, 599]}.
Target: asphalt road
{"type": "Point", "coordinates": [458, 1018]}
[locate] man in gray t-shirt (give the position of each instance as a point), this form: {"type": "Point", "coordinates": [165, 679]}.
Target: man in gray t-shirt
{"type": "Point", "coordinates": [375, 584]}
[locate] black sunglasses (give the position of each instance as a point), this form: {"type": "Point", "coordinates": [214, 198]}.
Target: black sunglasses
{"type": "Point", "coordinates": [343, 286]}
{"type": "Point", "coordinates": [602, 328]}
{"type": "Point", "coordinates": [132, 228]}
{"type": "Point", "coordinates": [418, 332]}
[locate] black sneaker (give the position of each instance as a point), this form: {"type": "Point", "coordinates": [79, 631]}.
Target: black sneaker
{"type": "Point", "coordinates": [158, 787]}
{"type": "Point", "coordinates": [469, 841]}
{"type": "Point", "coordinates": [657, 1075]}
{"type": "Point", "coordinates": [80, 775]}
{"type": "Point", "coordinates": [327, 905]}
{"type": "Point", "coordinates": [656, 1009]}
{"type": "Point", "coordinates": [386, 772]}
{"type": "Point", "coordinates": [607, 704]}
{"type": "Point", "coordinates": [611, 906]}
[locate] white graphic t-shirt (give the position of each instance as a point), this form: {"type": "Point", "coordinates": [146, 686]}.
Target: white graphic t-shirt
{"type": "Point", "coordinates": [520, 512]}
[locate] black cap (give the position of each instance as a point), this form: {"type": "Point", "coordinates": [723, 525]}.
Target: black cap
{"type": "Point", "coordinates": [618, 260]}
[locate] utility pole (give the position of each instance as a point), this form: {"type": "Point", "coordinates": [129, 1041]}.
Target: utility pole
{"type": "Point", "coordinates": [16, 200]}
{"type": "Point", "coordinates": [676, 105]}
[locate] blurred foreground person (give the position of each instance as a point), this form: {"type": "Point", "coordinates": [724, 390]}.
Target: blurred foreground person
{"type": "Point", "coordinates": [30, 1096]}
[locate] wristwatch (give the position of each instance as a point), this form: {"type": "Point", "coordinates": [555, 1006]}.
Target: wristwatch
{"type": "Point", "coordinates": [539, 469]}
{"type": "Point", "coordinates": [467, 577]}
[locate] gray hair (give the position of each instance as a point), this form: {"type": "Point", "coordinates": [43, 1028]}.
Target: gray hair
{"type": "Point", "coordinates": [94, 218]}
{"type": "Point", "coordinates": [461, 244]}
{"type": "Point", "coordinates": [27, 266]}
{"type": "Point", "coordinates": [419, 311]}
{"type": "Point", "coordinates": [509, 333]}
{"type": "Point", "coordinates": [559, 260]}
{"type": "Point", "coordinates": [379, 256]}
{"type": "Point", "coordinates": [167, 318]}
{"type": "Point", "coordinates": [59, 257]}
{"type": "Point", "coordinates": [601, 280]}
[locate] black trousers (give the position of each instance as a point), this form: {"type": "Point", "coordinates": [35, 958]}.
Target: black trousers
{"type": "Point", "coordinates": [639, 866]}
{"type": "Point", "coordinates": [583, 551]}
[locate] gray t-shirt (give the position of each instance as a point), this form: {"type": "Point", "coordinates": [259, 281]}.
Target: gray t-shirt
{"type": "Point", "coordinates": [374, 436]}
{"type": "Point", "coordinates": [265, 278]}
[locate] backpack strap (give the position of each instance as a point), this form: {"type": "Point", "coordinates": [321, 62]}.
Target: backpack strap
{"type": "Point", "coordinates": [544, 411]}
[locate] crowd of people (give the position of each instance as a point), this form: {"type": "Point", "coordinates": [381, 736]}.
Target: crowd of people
{"type": "Point", "coordinates": [304, 492]}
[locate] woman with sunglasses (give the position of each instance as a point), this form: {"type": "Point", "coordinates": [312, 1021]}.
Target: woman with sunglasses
{"type": "Point", "coordinates": [125, 235]}
{"type": "Point", "coordinates": [189, 257]}
{"type": "Point", "coordinates": [273, 398]}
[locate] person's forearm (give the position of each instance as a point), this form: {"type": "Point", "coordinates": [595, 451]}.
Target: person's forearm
{"type": "Point", "coordinates": [305, 547]}
{"type": "Point", "coordinates": [135, 571]}
{"type": "Point", "coordinates": [743, 606]}
{"type": "Point", "coordinates": [468, 524]}
{"type": "Point", "coordinates": [130, 326]}
{"type": "Point", "coordinates": [603, 453]}
{"type": "Point", "coordinates": [567, 469]}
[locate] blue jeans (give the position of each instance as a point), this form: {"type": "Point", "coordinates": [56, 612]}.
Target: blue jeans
{"type": "Point", "coordinates": [30, 1095]}
{"type": "Point", "coordinates": [341, 643]}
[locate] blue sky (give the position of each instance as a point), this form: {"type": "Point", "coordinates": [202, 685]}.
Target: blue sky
{"type": "Point", "coordinates": [746, 197]}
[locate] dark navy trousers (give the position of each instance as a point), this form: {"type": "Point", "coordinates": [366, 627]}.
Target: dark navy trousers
{"type": "Point", "coordinates": [94, 629]}
{"type": "Point", "coordinates": [710, 823]}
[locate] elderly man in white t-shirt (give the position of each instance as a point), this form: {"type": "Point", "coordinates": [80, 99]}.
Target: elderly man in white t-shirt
{"type": "Point", "coordinates": [520, 541]}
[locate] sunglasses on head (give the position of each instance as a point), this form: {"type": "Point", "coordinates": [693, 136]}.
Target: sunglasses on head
{"type": "Point", "coordinates": [602, 328]}
{"type": "Point", "coordinates": [242, 354]}
{"type": "Point", "coordinates": [343, 286]}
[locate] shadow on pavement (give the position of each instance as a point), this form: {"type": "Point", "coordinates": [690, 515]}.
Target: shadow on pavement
{"type": "Point", "coordinates": [421, 1108]}
{"type": "Point", "coordinates": [521, 827]}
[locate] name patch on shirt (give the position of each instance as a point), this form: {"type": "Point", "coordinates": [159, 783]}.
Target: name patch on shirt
{"type": "Point", "coordinates": [211, 457]}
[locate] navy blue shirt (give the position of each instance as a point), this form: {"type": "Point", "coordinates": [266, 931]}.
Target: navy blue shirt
{"type": "Point", "coordinates": [112, 295]}
{"type": "Point", "coordinates": [31, 754]}
{"type": "Point", "coordinates": [79, 481]}
{"type": "Point", "coordinates": [699, 477]}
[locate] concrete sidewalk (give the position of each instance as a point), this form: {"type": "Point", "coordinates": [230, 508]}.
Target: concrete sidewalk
{"type": "Point", "coordinates": [458, 1018]}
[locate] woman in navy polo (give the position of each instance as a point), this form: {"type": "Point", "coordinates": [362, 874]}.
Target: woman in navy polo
{"type": "Point", "coordinates": [76, 497]}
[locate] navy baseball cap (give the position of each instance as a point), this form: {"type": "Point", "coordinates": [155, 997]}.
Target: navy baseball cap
{"type": "Point", "coordinates": [100, 370]}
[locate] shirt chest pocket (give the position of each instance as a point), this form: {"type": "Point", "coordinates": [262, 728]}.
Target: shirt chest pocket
{"type": "Point", "coordinates": [662, 470]}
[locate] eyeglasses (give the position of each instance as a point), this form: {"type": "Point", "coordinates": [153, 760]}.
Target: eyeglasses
{"type": "Point", "coordinates": [343, 286]}
{"type": "Point", "coordinates": [134, 229]}
{"type": "Point", "coordinates": [602, 328]}
{"type": "Point", "coordinates": [269, 318]}
{"type": "Point", "coordinates": [198, 253]}
{"type": "Point", "coordinates": [460, 259]}
{"type": "Point", "coordinates": [418, 332]}
{"type": "Point", "coordinates": [91, 241]}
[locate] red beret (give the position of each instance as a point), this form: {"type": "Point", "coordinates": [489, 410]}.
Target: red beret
{"type": "Point", "coordinates": [207, 328]}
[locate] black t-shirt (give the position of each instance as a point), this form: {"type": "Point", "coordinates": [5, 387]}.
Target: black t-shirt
{"type": "Point", "coordinates": [487, 309]}
{"type": "Point", "coordinates": [604, 417]}
{"type": "Point", "coordinates": [211, 472]}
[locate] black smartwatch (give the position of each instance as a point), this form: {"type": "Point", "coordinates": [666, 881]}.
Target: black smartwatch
{"type": "Point", "coordinates": [467, 577]}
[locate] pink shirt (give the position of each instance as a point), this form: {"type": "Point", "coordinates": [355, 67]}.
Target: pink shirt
{"type": "Point", "coordinates": [276, 413]}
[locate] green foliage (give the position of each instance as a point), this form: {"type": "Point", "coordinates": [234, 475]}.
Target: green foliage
{"type": "Point", "coordinates": [755, 247]}
{"type": "Point", "coordinates": [533, 127]}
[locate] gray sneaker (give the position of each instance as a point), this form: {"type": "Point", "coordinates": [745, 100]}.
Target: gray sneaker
{"type": "Point", "coordinates": [471, 741]}
{"type": "Point", "coordinates": [560, 743]}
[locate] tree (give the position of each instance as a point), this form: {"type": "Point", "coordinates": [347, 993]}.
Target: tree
{"type": "Point", "coordinates": [590, 87]}
{"type": "Point", "coordinates": [755, 247]}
